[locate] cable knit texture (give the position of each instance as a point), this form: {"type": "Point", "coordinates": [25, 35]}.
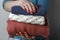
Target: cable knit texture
{"type": "Point", "coordinates": [28, 19]}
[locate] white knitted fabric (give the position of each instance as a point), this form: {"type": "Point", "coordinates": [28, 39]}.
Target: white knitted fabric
{"type": "Point", "coordinates": [28, 19]}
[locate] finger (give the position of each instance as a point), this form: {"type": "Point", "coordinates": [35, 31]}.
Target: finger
{"type": "Point", "coordinates": [29, 7]}
{"type": "Point", "coordinates": [26, 35]}
{"type": "Point", "coordinates": [22, 6]}
{"type": "Point", "coordinates": [33, 37]}
{"type": "Point", "coordinates": [33, 8]}
{"type": "Point", "coordinates": [17, 34]}
{"type": "Point", "coordinates": [26, 7]}
{"type": "Point", "coordinates": [21, 34]}
{"type": "Point", "coordinates": [36, 7]}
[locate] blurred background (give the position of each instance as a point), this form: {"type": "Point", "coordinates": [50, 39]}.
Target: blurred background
{"type": "Point", "coordinates": [3, 18]}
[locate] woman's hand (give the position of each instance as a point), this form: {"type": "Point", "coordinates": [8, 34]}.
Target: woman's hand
{"type": "Point", "coordinates": [28, 6]}
{"type": "Point", "coordinates": [25, 36]}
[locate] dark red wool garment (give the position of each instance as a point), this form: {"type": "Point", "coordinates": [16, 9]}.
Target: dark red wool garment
{"type": "Point", "coordinates": [14, 27]}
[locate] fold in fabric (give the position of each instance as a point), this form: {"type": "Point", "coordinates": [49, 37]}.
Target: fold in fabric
{"type": "Point", "coordinates": [18, 10]}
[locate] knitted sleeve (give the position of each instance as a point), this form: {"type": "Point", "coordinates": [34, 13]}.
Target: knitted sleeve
{"type": "Point", "coordinates": [33, 1]}
{"type": "Point", "coordinates": [6, 1]}
{"type": "Point", "coordinates": [44, 3]}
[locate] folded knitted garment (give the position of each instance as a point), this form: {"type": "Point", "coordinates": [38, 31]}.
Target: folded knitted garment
{"type": "Point", "coordinates": [14, 27]}
{"type": "Point", "coordinates": [18, 10]}
{"type": "Point", "coordinates": [28, 19]}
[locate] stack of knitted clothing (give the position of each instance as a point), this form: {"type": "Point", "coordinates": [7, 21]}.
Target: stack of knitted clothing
{"type": "Point", "coordinates": [34, 24]}
{"type": "Point", "coordinates": [21, 15]}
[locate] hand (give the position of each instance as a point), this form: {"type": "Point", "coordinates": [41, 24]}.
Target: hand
{"type": "Point", "coordinates": [25, 36]}
{"type": "Point", "coordinates": [28, 6]}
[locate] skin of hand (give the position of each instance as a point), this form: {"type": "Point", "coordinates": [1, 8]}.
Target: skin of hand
{"type": "Point", "coordinates": [9, 4]}
{"type": "Point", "coordinates": [25, 35]}
{"type": "Point", "coordinates": [26, 5]}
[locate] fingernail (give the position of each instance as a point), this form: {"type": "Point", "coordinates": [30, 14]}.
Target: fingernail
{"type": "Point", "coordinates": [24, 32]}
{"type": "Point", "coordinates": [32, 36]}
{"type": "Point", "coordinates": [16, 34]}
{"type": "Point", "coordinates": [31, 11]}
{"type": "Point", "coordinates": [19, 32]}
{"type": "Point", "coordinates": [28, 11]}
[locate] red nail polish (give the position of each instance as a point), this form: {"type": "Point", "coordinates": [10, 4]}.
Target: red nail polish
{"type": "Point", "coordinates": [34, 10]}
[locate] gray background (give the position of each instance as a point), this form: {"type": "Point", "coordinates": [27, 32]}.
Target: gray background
{"type": "Point", "coordinates": [3, 18]}
{"type": "Point", "coordinates": [54, 19]}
